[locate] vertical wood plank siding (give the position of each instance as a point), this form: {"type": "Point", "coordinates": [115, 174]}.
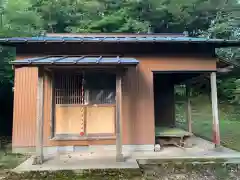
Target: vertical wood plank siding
{"type": "Point", "coordinates": [138, 101]}
{"type": "Point", "coordinates": [25, 101]}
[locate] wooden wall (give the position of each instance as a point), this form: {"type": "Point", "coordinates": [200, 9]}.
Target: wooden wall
{"type": "Point", "coordinates": [138, 101]}
{"type": "Point", "coordinates": [99, 119]}
{"type": "Point", "coordinates": [25, 99]}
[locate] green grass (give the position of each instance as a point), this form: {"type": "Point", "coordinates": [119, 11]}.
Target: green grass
{"type": "Point", "coordinates": [10, 160]}
{"type": "Point", "coordinates": [229, 132]}
{"type": "Point", "coordinates": [229, 120]}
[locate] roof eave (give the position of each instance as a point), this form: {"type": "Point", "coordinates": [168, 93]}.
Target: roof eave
{"type": "Point", "coordinates": [216, 44]}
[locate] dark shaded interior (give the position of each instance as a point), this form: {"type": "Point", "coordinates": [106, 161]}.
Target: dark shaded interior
{"type": "Point", "coordinates": [6, 105]}
{"type": "Point", "coordinates": [164, 101]}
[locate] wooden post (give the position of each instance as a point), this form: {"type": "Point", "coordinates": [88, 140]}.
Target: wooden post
{"type": "Point", "coordinates": [52, 104]}
{"type": "Point", "coordinates": [216, 131]}
{"type": "Point", "coordinates": [39, 128]}
{"type": "Point", "coordinates": [119, 155]}
{"type": "Point", "coordinates": [189, 108]}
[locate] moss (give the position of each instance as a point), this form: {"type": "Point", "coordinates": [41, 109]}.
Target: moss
{"type": "Point", "coordinates": [187, 160]}
{"type": "Point", "coordinates": [184, 170]}
{"type": "Point", "coordinates": [85, 174]}
{"type": "Point", "coordinates": [169, 170]}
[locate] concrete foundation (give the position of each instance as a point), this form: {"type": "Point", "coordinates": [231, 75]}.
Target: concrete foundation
{"type": "Point", "coordinates": [91, 148]}
{"type": "Point", "coordinates": [104, 157]}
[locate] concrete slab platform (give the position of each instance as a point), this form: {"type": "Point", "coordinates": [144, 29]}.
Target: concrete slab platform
{"type": "Point", "coordinates": [106, 159]}
{"type": "Point", "coordinates": [56, 164]}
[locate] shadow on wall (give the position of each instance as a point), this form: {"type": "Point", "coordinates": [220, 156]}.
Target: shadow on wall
{"type": "Point", "coordinates": [6, 109]}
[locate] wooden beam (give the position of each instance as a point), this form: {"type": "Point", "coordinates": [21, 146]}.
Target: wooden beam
{"type": "Point", "coordinates": [39, 127]}
{"type": "Point", "coordinates": [216, 131]}
{"type": "Point", "coordinates": [188, 108]}
{"type": "Point", "coordinates": [119, 155]}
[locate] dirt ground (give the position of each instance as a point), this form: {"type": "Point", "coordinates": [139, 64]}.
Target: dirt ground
{"type": "Point", "coordinates": [164, 171]}
{"type": "Point", "coordinates": [172, 171]}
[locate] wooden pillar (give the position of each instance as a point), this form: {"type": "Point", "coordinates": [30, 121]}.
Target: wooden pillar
{"type": "Point", "coordinates": [216, 131]}
{"type": "Point", "coordinates": [39, 120]}
{"type": "Point", "coordinates": [188, 108]}
{"type": "Point", "coordinates": [119, 155]}
{"type": "Point", "coordinates": [52, 81]}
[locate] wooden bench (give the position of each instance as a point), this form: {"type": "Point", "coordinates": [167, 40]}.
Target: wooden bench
{"type": "Point", "coordinates": [171, 136]}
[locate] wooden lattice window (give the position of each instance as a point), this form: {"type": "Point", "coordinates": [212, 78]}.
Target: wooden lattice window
{"type": "Point", "coordinates": [68, 89]}
{"type": "Point", "coordinates": [85, 88]}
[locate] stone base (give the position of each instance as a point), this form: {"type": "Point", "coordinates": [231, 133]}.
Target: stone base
{"type": "Point", "coordinates": [91, 148]}
{"type": "Point", "coordinates": [37, 160]}
{"type": "Point", "coordinates": [119, 158]}
{"type": "Point", "coordinates": [219, 148]}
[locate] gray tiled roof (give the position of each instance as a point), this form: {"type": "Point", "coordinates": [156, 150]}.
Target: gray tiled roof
{"type": "Point", "coordinates": [127, 39]}
{"type": "Point", "coordinates": [68, 60]}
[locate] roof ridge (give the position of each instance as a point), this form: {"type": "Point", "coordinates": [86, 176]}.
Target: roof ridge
{"type": "Point", "coordinates": [113, 34]}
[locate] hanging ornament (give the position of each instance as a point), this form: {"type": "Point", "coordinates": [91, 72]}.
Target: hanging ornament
{"type": "Point", "coordinates": [82, 108]}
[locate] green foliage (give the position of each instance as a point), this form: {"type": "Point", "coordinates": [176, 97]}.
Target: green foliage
{"type": "Point", "coordinates": [6, 55]}
{"type": "Point", "coordinates": [227, 87]}
{"type": "Point", "coordinates": [128, 15]}
{"type": "Point", "coordinates": [226, 25]}
{"type": "Point", "coordinates": [17, 19]}
{"type": "Point", "coordinates": [195, 16]}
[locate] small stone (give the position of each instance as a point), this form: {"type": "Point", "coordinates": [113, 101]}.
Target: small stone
{"type": "Point", "coordinates": [157, 147]}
